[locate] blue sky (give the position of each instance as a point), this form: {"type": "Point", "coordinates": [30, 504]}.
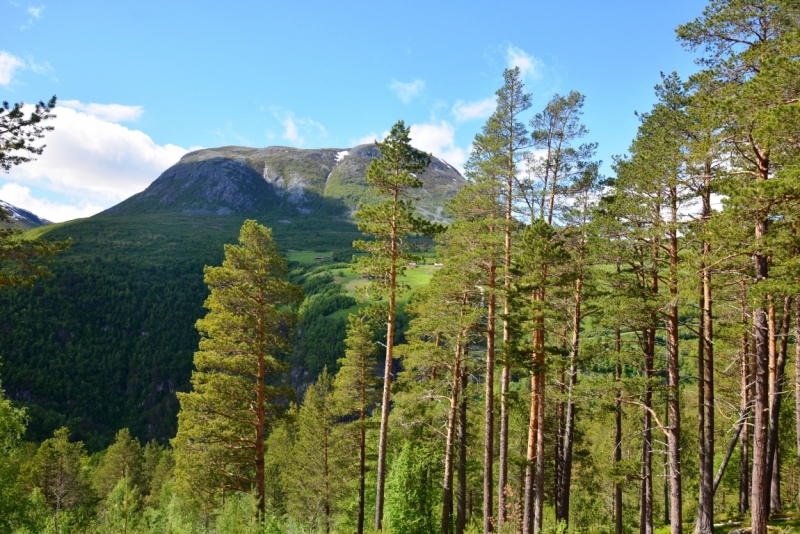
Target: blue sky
{"type": "Point", "coordinates": [142, 82]}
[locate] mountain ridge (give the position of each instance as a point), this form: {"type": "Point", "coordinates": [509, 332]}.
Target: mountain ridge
{"type": "Point", "coordinates": [22, 218]}
{"type": "Point", "coordinates": [234, 179]}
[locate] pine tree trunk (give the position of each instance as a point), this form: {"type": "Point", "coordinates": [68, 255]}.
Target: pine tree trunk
{"type": "Point", "coordinates": [775, 504]}
{"type": "Point", "coordinates": [558, 439]}
{"type": "Point", "coordinates": [447, 494]}
{"type": "Point", "coordinates": [326, 468]}
{"type": "Point", "coordinates": [260, 433]}
{"type": "Point", "coordinates": [538, 509]}
{"type": "Point", "coordinates": [744, 458]}
{"type": "Point", "coordinates": [502, 480]}
{"type": "Point", "coordinates": [387, 372]}
{"type": "Point", "coordinates": [674, 379]}
{"type": "Point", "coordinates": [488, 436]}
{"type": "Point", "coordinates": [565, 478]}
{"type": "Point", "coordinates": [797, 384]}
{"type": "Point", "coordinates": [705, 516]}
{"type": "Point", "coordinates": [702, 526]}
{"type": "Point", "coordinates": [776, 397]}
{"type": "Point", "coordinates": [532, 473]}
{"type": "Point", "coordinates": [759, 482]}
{"type": "Point", "coordinates": [646, 506]}
{"type": "Point", "coordinates": [461, 498]}
{"type": "Point", "coordinates": [618, 430]}
{"type": "Point", "coordinates": [362, 456]}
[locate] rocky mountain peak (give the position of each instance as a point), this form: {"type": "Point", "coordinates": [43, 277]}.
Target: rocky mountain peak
{"type": "Point", "coordinates": [299, 182]}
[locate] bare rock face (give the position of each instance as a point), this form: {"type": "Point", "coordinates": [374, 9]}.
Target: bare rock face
{"type": "Point", "coordinates": [299, 182]}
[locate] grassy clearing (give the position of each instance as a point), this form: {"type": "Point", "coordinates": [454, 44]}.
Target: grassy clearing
{"type": "Point", "coordinates": [307, 256]}
{"type": "Point", "coordinates": [353, 284]}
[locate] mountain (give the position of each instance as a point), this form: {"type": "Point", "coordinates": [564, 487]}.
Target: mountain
{"type": "Point", "coordinates": [221, 181]}
{"type": "Point", "coordinates": [107, 341]}
{"type": "Point", "coordinates": [21, 218]}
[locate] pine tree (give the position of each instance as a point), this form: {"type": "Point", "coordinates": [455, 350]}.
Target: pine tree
{"type": "Point", "coordinates": [122, 460]}
{"type": "Point", "coordinates": [391, 177]}
{"type": "Point", "coordinates": [447, 314]}
{"type": "Point", "coordinates": [480, 209]}
{"type": "Point", "coordinates": [748, 44]}
{"type": "Point", "coordinates": [511, 138]}
{"type": "Point", "coordinates": [356, 391]}
{"type": "Point", "coordinates": [555, 131]}
{"type": "Point", "coordinates": [56, 470]}
{"type": "Point", "coordinates": [23, 260]}
{"type": "Point", "coordinates": [317, 473]}
{"type": "Point", "coordinates": [19, 132]}
{"type": "Point", "coordinates": [223, 422]}
{"type": "Point", "coordinates": [121, 509]}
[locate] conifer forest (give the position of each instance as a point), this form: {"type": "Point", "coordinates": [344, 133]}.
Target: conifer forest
{"type": "Point", "coordinates": [592, 354]}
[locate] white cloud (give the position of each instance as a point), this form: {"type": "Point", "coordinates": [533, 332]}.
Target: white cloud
{"type": "Point", "coordinates": [106, 112]}
{"type": "Point", "coordinates": [407, 91]}
{"type": "Point", "coordinates": [8, 64]}
{"type": "Point", "coordinates": [35, 13]}
{"type": "Point", "coordinates": [439, 140]}
{"type": "Point", "coordinates": [369, 138]}
{"type": "Point", "coordinates": [95, 161]}
{"type": "Point", "coordinates": [481, 109]}
{"type": "Point", "coordinates": [295, 130]}
{"type": "Point", "coordinates": [21, 197]}
{"type": "Point", "coordinates": [529, 66]}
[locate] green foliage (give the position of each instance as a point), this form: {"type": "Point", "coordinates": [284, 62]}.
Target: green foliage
{"type": "Point", "coordinates": [411, 492]}
{"type": "Point", "coordinates": [121, 509]}
{"type": "Point", "coordinates": [392, 177]}
{"type": "Point", "coordinates": [236, 387]}
{"type": "Point", "coordinates": [122, 460]}
{"type": "Point", "coordinates": [19, 132]}
{"type": "Point", "coordinates": [320, 465]}
{"type": "Point", "coordinates": [56, 471]}
{"type": "Point", "coordinates": [239, 515]}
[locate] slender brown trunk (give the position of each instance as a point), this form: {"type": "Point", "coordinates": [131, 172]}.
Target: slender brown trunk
{"type": "Point", "coordinates": [565, 478]}
{"type": "Point", "coordinates": [260, 432]}
{"type": "Point", "coordinates": [703, 521]}
{"type": "Point", "coordinates": [674, 380]}
{"type": "Point", "coordinates": [759, 482]}
{"type": "Point", "coordinates": [488, 443]}
{"type": "Point", "coordinates": [502, 460]}
{"type": "Point", "coordinates": [505, 378]}
{"type": "Point", "coordinates": [665, 475]}
{"type": "Point", "coordinates": [362, 456]}
{"type": "Point", "coordinates": [744, 458]}
{"type": "Point", "coordinates": [538, 509]}
{"type": "Point", "coordinates": [461, 497]}
{"type": "Point", "coordinates": [797, 383]}
{"type": "Point", "coordinates": [558, 440]}
{"type": "Point", "coordinates": [775, 504]}
{"type": "Point", "coordinates": [387, 372]}
{"type": "Point", "coordinates": [776, 396]}
{"type": "Point", "coordinates": [705, 516]}
{"type": "Point", "coordinates": [447, 494]}
{"type": "Point", "coordinates": [532, 473]}
{"type": "Point", "coordinates": [326, 468]}
{"type": "Point", "coordinates": [530, 457]}
{"type": "Point", "coordinates": [618, 429]}
{"type": "Point", "coordinates": [731, 446]}
{"type": "Point", "coordinates": [646, 505]}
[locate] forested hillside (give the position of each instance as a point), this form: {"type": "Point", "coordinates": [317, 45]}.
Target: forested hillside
{"type": "Point", "coordinates": [116, 320]}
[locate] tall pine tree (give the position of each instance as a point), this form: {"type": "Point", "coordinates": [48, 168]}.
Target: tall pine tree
{"type": "Point", "coordinates": [225, 418]}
